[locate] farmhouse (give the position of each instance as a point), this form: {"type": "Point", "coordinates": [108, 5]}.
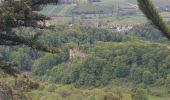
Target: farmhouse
{"type": "Point", "coordinates": [121, 28]}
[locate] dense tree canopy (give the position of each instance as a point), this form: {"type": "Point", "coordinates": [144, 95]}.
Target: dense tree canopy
{"type": "Point", "coordinates": [111, 58]}
{"type": "Point", "coordinates": [142, 62]}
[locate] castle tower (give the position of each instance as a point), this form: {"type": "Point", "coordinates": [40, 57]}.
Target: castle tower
{"type": "Point", "coordinates": [76, 53]}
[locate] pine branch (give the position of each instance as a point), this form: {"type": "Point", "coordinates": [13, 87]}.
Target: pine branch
{"type": "Point", "coordinates": [9, 67]}
{"type": "Point", "coordinates": [148, 8]}
{"type": "Point", "coordinates": [29, 42]}
{"type": "Point", "coordinates": [38, 2]}
{"type": "Point", "coordinates": [19, 13]}
{"type": "Point", "coordinates": [8, 43]}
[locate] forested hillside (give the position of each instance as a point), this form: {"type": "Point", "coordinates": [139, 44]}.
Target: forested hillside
{"type": "Point", "coordinates": [111, 59]}
{"type": "Point", "coordinates": [43, 57]}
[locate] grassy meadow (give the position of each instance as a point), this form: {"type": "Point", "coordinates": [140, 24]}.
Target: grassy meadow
{"type": "Point", "coordinates": [66, 10]}
{"type": "Point", "coordinates": [68, 92]}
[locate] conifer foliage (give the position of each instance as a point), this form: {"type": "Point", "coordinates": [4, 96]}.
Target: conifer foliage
{"type": "Point", "coordinates": [16, 14]}
{"type": "Point", "coordinates": [22, 13]}
{"type": "Point", "coordinates": [148, 8]}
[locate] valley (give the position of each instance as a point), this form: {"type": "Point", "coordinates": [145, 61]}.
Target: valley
{"type": "Point", "coordinates": [83, 50]}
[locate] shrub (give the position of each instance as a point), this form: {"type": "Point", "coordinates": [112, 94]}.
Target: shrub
{"type": "Point", "coordinates": [52, 88]}
{"type": "Point", "coordinates": [167, 83]}
{"type": "Point", "coordinates": [140, 94]}
{"type": "Point", "coordinates": [147, 77]}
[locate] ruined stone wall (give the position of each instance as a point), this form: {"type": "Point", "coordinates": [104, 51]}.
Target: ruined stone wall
{"type": "Point", "coordinates": [76, 53]}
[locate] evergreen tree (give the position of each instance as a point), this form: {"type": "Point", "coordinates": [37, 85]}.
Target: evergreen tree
{"type": "Point", "coordinates": [168, 83]}
{"type": "Point", "coordinates": [15, 14]}
{"type": "Point", "coordinates": [140, 94]}
{"type": "Point", "coordinates": [147, 77]}
{"type": "Point", "coordinates": [21, 13]}
{"type": "Point", "coordinates": [148, 8]}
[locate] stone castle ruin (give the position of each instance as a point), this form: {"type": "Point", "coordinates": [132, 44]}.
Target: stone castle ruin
{"type": "Point", "coordinates": [76, 53]}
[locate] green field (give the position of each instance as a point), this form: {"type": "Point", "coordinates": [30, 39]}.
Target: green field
{"type": "Point", "coordinates": [51, 10]}
{"type": "Point", "coordinates": [57, 10]}
{"type": "Point", "coordinates": [66, 10]}
{"type": "Point", "coordinates": [69, 92]}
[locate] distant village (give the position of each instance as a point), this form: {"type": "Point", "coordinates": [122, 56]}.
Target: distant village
{"type": "Point", "coordinates": [87, 20]}
{"type": "Point", "coordinates": [91, 15]}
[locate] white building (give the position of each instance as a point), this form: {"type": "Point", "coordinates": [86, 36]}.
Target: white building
{"type": "Point", "coordinates": [120, 28]}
